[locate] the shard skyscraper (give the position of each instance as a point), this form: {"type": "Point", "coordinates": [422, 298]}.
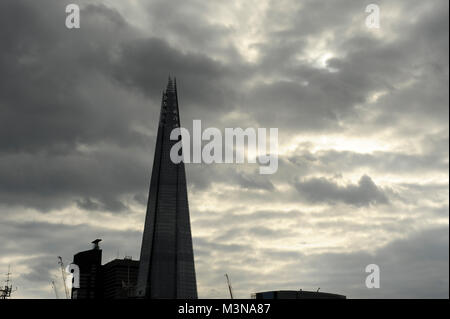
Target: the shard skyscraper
{"type": "Point", "coordinates": [166, 268]}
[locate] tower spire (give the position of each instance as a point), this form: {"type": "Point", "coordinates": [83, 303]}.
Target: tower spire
{"type": "Point", "coordinates": [166, 266]}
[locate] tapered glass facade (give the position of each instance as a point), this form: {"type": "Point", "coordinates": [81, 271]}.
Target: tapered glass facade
{"type": "Point", "coordinates": [166, 268]}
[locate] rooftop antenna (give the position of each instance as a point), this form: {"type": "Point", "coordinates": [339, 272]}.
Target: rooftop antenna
{"type": "Point", "coordinates": [6, 291]}
{"type": "Point", "coordinates": [95, 243]}
{"type": "Point", "coordinates": [318, 289]}
{"type": "Point", "coordinates": [8, 276]}
{"type": "Point", "coordinates": [229, 286]}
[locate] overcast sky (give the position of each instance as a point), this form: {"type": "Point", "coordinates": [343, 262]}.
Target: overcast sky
{"type": "Point", "coordinates": [363, 128]}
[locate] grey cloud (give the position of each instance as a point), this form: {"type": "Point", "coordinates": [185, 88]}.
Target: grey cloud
{"type": "Point", "coordinates": [366, 192]}
{"type": "Point", "coordinates": [232, 218]}
{"type": "Point", "coordinates": [55, 106]}
{"type": "Point", "coordinates": [332, 161]}
{"type": "Point", "coordinates": [53, 239]}
{"type": "Point", "coordinates": [108, 204]}
{"type": "Point", "coordinates": [79, 109]}
{"type": "Point", "coordinates": [92, 91]}
{"type": "Point", "coordinates": [48, 182]}
{"type": "Point", "coordinates": [156, 54]}
{"type": "Point", "coordinates": [202, 176]}
{"type": "Point", "coordinates": [368, 65]}
{"type": "Point", "coordinates": [204, 246]}
{"type": "Point", "coordinates": [255, 181]}
{"type": "Point", "coordinates": [260, 232]}
{"type": "Point", "coordinates": [40, 269]}
{"type": "Point", "coordinates": [410, 268]}
{"type": "Point", "coordinates": [414, 267]}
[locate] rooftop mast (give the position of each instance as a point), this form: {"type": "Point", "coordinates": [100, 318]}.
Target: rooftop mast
{"type": "Point", "coordinates": [5, 292]}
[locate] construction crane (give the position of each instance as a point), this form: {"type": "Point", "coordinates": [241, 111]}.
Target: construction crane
{"type": "Point", "coordinates": [63, 273]}
{"type": "Point", "coordinates": [229, 286]}
{"type": "Point", "coordinates": [54, 288]}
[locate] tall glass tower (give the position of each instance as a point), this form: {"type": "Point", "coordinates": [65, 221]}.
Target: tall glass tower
{"type": "Point", "coordinates": [166, 268]}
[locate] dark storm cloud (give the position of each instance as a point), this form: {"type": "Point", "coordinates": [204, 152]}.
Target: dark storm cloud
{"type": "Point", "coordinates": [202, 81]}
{"type": "Point", "coordinates": [46, 94]}
{"type": "Point", "coordinates": [112, 205]}
{"type": "Point", "coordinates": [105, 44]}
{"type": "Point", "coordinates": [61, 110]}
{"type": "Point", "coordinates": [364, 193]}
{"type": "Point", "coordinates": [62, 89]}
{"type": "Point", "coordinates": [54, 181]}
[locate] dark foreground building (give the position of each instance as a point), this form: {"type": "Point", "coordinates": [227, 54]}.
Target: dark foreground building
{"type": "Point", "coordinates": [113, 280]}
{"type": "Point", "coordinates": [294, 294]}
{"type": "Point", "coordinates": [119, 278]}
{"type": "Point", "coordinates": [166, 268]}
{"type": "Point", "coordinates": [90, 264]}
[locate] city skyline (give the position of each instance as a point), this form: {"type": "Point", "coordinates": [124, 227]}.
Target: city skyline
{"type": "Point", "coordinates": [362, 118]}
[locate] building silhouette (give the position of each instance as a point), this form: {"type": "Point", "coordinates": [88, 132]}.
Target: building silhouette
{"type": "Point", "coordinates": [113, 280]}
{"type": "Point", "coordinates": [295, 294]}
{"type": "Point", "coordinates": [166, 268]}
{"type": "Point", "coordinates": [90, 277]}
{"type": "Point", "coordinates": [119, 278]}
